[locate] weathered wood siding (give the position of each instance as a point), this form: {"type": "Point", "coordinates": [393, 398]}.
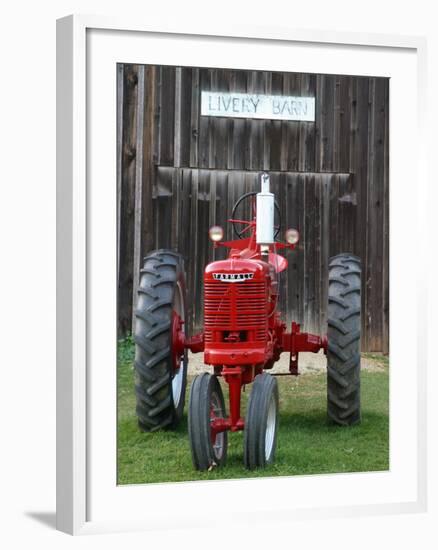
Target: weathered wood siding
{"type": "Point", "coordinates": [179, 173]}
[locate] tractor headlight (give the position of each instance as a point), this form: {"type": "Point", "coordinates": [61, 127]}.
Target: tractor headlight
{"type": "Point", "coordinates": [292, 236]}
{"type": "Point", "coordinates": [216, 233]}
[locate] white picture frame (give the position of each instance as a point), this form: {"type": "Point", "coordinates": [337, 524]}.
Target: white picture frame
{"type": "Point", "coordinates": [85, 502]}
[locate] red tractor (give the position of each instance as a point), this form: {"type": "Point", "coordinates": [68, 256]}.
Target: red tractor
{"type": "Point", "coordinates": [243, 337]}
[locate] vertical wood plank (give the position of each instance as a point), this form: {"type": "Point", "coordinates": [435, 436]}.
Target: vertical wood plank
{"type": "Point", "coordinates": [291, 220]}
{"type": "Point", "coordinates": [336, 129]}
{"type": "Point", "coordinates": [266, 137]}
{"type": "Point", "coordinates": [194, 119]}
{"type": "Point", "coordinates": [189, 241]}
{"type": "Point", "coordinates": [325, 244]}
{"type": "Point", "coordinates": [325, 138]}
{"type": "Point", "coordinates": [219, 126]}
{"type": "Point", "coordinates": [347, 213]}
{"type": "Point", "coordinates": [177, 117]}
{"type": "Point", "coordinates": [290, 145]}
{"type": "Point", "coordinates": [195, 246]}
{"type": "Point", "coordinates": [359, 146]}
{"type": "Point", "coordinates": [237, 128]}
{"type": "Point", "coordinates": [184, 208]}
{"type": "Point", "coordinates": [204, 123]}
{"type": "Point", "coordinates": [203, 242]}
{"type": "Point", "coordinates": [307, 130]}
{"type": "Point", "coordinates": [211, 251]}
{"type": "Point", "coordinates": [334, 246]}
{"type": "Point", "coordinates": [138, 187]}
{"type": "Point", "coordinates": [127, 199]}
{"type": "Point", "coordinates": [375, 215]}
{"type": "Point", "coordinates": [163, 227]}
{"type": "Point", "coordinates": [282, 191]}
{"type": "Point", "coordinates": [310, 251]}
{"type": "Point", "coordinates": [167, 115]}
{"type": "Point", "coordinates": [316, 267]}
{"type": "Point", "coordinates": [301, 208]}
{"type": "Point", "coordinates": [120, 104]}
{"type": "Point", "coordinates": [342, 123]}
{"type": "Point", "coordinates": [150, 131]}
{"type": "Point", "coordinates": [176, 207]}
{"type": "Point", "coordinates": [385, 262]}
{"type": "Point", "coordinates": [222, 214]}
{"type": "Point", "coordinates": [274, 128]}
{"type": "Point", "coordinates": [256, 134]}
{"type": "Point", "coordinates": [185, 116]}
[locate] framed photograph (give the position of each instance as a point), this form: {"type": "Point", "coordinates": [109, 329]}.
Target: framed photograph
{"type": "Point", "coordinates": [234, 210]}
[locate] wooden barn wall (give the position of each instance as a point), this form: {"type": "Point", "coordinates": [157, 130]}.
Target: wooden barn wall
{"type": "Point", "coordinates": [179, 173]}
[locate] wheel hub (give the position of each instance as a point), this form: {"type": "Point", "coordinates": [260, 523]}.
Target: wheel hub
{"type": "Point", "coordinates": [178, 340]}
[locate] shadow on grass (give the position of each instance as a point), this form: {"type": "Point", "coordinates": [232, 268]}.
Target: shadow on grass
{"type": "Point", "coordinates": [314, 421]}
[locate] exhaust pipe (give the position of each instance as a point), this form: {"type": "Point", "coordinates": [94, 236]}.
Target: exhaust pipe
{"type": "Point", "coordinates": [265, 215]}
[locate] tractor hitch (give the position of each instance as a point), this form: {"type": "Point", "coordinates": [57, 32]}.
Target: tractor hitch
{"type": "Point", "coordinates": [296, 341]}
{"type": "Point", "coordinates": [180, 342]}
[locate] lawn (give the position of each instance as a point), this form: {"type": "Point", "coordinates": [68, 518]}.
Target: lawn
{"type": "Point", "coordinates": [307, 444]}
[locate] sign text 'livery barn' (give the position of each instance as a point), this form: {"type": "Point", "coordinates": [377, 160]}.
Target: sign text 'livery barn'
{"type": "Point", "coordinates": [275, 107]}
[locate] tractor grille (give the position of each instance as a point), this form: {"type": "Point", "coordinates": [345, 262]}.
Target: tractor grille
{"type": "Point", "coordinates": [239, 307]}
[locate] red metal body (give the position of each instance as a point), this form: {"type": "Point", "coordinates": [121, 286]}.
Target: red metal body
{"type": "Point", "coordinates": [243, 332]}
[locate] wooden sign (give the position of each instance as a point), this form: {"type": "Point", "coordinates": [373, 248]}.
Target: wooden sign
{"type": "Point", "coordinates": [275, 107]}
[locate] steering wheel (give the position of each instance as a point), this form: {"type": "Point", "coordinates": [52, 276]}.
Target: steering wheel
{"type": "Point", "coordinates": [240, 232]}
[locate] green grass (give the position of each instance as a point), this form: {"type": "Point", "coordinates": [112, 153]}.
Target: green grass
{"type": "Point", "coordinates": [307, 444]}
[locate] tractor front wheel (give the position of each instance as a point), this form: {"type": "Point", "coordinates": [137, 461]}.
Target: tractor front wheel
{"type": "Point", "coordinates": [343, 339]}
{"type": "Point", "coordinates": [206, 404]}
{"type": "Point", "coordinates": [261, 423]}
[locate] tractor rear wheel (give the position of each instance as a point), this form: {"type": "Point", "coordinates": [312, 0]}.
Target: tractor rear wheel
{"type": "Point", "coordinates": [206, 404]}
{"type": "Point", "coordinates": [261, 422]}
{"type": "Point", "coordinates": [160, 376]}
{"type": "Point", "coordinates": [343, 339]}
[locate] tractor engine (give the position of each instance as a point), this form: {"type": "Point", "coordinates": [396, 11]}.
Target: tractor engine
{"type": "Point", "coordinates": [239, 299]}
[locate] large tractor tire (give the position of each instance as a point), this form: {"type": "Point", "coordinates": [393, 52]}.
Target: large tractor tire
{"type": "Point", "coordinates": [159, 386]}
{"type": "Point", "coordinates": [206, 403]}
{"type": "Point", "coordinates": [261, 423]}
{"type": "Point", "coordinates": [343, 339]}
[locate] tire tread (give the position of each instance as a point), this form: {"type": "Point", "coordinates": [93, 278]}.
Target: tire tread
{"type": "Point", "coordinates": [343, 353]}
{"type": "Point", "coordinates": [161, 271]}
